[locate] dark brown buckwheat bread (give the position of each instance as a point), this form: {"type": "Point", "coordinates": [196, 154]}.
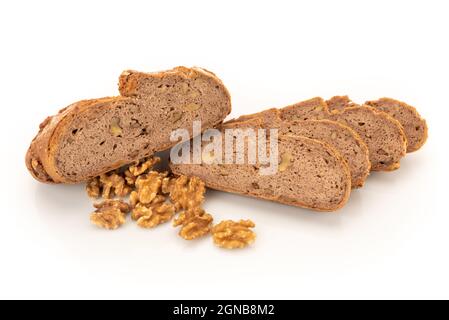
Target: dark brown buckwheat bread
{"type": "Point", "coordinates": [92, 137]}
{"type": "Point", "coordinates": [311, 174]}
{"type": "Point", "coordinates": [415, 127]}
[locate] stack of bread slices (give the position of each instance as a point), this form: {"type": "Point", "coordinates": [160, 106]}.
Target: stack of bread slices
{"type": "Point", "coordinates": [326, 148]}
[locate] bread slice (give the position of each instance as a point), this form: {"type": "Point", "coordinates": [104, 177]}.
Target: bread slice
{"type": "Point", "coordinates": [415, 127]}
{"type": "Point", "coordinates": [345, 140]}
{"type": "Point", "coordinates": [382, 134]}
{"type": "Point", "coordinates": [339, 103]}
{"type": "Point", "coordinates": [271, 117]}
{"type": "Point", "coordinates": [311, 174]}
{"type": "Point", "coordinates": [91, 137]}
{"type": "Point", "coordinates": [313, 109]}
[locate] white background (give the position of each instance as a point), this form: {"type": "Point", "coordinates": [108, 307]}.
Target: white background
{"type": "Point", "coordinates": [390, 241]}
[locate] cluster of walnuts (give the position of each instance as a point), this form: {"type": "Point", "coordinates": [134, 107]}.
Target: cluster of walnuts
{"type": "Point", "coordinates": [155, 198]}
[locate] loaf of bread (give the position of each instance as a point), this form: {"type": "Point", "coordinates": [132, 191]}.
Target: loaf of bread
{"type": "Point", "coordinates": [92, 137]}
{"type": "Point", "coordinates": [311, 173]}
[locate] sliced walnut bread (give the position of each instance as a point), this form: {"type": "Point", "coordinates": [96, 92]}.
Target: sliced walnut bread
{"type": "Point", "coordinates": [415, 127]}
{"type": "Point", "coordinates": [311, 174]}
{"type": "Point", "coordinates": [345, 140]}
{"type": "Point", "coordinates": [382, 134]}
{"type": "Point", "coordinates": [92, 137]}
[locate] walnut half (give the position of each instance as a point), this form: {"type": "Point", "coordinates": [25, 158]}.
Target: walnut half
{"type": "Point", "coordinates": [234, 235]}
{"type": "Point", "coordinates": [110, 214]}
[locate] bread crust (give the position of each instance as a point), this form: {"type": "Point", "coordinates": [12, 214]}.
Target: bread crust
{"type": "Point", "coordinates": [364, 175]}
{"type": "Point", "coordinates": [271, 118]}
{"type": "Point", "coordinates": [398, 126]}
{"type": "Point", "coordinates": [258, 122]}
{"type": "Point", "coordinates": [411, 147]}
{"type": "Point", "coordinates": [40, 158]}
{"type": "Point", "coordinates": [44, 145]}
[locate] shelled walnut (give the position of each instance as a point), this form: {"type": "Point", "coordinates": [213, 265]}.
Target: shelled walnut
{"type": "Point", "coordinates": [142, 167]}
{"type": "Point", "coordinates": [233, 235]}
{"type": "Point", "coordinates": [188, 193]}
{"type": "Point", "coordinates": [110, 214]}
{"type": "Point", "coordinates": [196, 227]}
{"type": "Point", "coordinates": [107, 186]}
{"type": "Point", "coordinates": [155, 215]}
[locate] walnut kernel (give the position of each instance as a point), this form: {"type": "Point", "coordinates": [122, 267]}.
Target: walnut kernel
{"type": "Point", "coordinates": [110, 214]}
{"type": "Point", "coordinates": [143, 166]}
{"type": "Point", "coordinates": [115, 128]}
{"type": "Point", "coordinates": [286, 160]}
{"type": "Point", "coordinates": [192, 106]}
{"type": "Point", "coordinates": [233, 235]}
{"type": "Point", "coordinates": [196, 227]}
{"type": "Point", "coordinates": [159, 214]}
{"type": "Point", "coordinates": [188, 193]}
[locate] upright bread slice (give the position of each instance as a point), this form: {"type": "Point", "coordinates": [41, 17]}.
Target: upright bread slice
{"type": "Point", "coordinates": [345, 140]}
{"type": "Point", "coordinates": [313, 109]}
{"type": "Point", "coordinates": [339, 103]}
{"type": "Point", "coordinates": [311, 174]}
{"type": "Point", "coordinates": [269, 117]}
{"type": "Point", "coordinates": [92, 137]}
{"type": "Point", "coordinates": [382, 134]}
{"type": "Point", "coordinates": [415, 127]}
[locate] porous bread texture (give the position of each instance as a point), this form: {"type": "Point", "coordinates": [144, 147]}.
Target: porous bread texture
{"type": "Point", "coordinates": [339, 103]}
{"type": "Point", "coordinates": [271, 117]}
{"type": "Point", "coordinates": [92, 137]}
{"type": "Point", "coordinates": [415, 127]}
{"type": "Point", "coordinates": [382, 134]}
{"type": "Point", "coordinates": [312, 109]}
{"type": "Point", "coordinates": [315, 175]}
{"type": "Point", "coordinates": [345, 140]}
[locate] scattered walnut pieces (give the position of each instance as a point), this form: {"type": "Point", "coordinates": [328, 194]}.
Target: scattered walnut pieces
{"type": "Point", "coordinates": [155, 215]}
{"type": "Point", "coordinates": [142, 167]}
{"type": "Point", "coordinates": [119, 182]}
{"type": "Point", "coordinates": [188, 193]}
{"type": "Point", "coordinates": [93, 188]}
{"type": "Point", "coordinates": [148, 186]}
{"type": "Point", "coordinates": [107, 186]}
{"type": "Point", "coordinates": [196, 225]}
{"type": "Point", "coordinates": [113, 185]}
{"type": "Point", "coordinates": [110, 214]}
{"type": "Point", "coordinates": [167, 185]}
{"type": "Point", "coordinates": [233, 235]}
{"type": "Point", "coordinates": [149, 191]}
